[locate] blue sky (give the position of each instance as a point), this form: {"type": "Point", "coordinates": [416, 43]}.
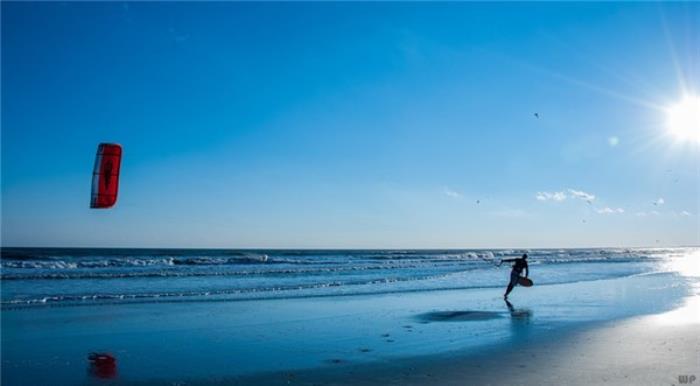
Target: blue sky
{"type": "Point", "coordinates": [323, 125]}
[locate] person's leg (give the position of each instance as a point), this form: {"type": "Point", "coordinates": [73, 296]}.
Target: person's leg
{"type": "Point", "coordinates": [513, 282]}
{"type": "Point", "coordinates": [510, 288]}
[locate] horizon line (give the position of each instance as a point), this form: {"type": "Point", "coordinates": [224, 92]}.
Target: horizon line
{"type": "Point", "coordinates": [350, 249]}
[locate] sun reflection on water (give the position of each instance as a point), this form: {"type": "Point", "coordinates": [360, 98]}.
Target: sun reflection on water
{"type": "Point", "coordinates": [687, 266]}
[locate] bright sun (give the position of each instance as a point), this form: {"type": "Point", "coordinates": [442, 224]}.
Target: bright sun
{"type": "Point", "coordinates": [683, 119]}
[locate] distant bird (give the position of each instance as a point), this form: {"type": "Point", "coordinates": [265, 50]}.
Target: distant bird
{"type": "Point", "coordinates": [478, 202]}
{"type": "Point", "coordinates": [537, 115]}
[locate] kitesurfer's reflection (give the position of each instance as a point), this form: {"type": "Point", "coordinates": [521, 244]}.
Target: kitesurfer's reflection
{"type": "Point", "coordinates": [520, 319]}
{"type": "Point", "coordinates": [104, 371]}
{"type": "Point", "coordinates": [102, 365]}
{"type": "Point", "coordinates": [519, 314]}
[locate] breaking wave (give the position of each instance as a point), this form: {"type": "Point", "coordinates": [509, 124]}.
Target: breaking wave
{"type": "Point", "coordinates": [33, 276]}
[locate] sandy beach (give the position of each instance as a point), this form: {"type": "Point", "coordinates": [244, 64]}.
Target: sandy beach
{"type": "Point", "coordinates": [638, 351]}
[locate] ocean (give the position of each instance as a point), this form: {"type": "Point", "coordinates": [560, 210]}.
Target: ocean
{"type": "Point", "coordinates": [34, 277]}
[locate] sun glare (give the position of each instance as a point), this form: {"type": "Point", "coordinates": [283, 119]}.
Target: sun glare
{"type": "Point", "coordinates": [683, 119]}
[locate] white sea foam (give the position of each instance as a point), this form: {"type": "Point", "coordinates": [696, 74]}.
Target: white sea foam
{"type": "Point", "coordinates": [43, 276]}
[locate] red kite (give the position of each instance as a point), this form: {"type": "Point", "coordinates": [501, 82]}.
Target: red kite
{"type": "Point", "coordinates": [105, 176]}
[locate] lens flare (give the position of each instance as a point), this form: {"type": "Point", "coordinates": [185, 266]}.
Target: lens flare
{"type": "Point", "coordinates": [683, 119]}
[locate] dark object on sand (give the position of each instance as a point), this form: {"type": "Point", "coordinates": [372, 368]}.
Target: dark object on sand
{"type": "Point", "coordinates": [103, 365]}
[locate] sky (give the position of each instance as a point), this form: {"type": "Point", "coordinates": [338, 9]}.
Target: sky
{"type": "Point", "coordinates": [351, 125]}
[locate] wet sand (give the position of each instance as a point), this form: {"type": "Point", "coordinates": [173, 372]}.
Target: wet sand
{"type": "Point", "coordinates": [639, 351]}
{"type": "Point", "coordinates": [633, 330]}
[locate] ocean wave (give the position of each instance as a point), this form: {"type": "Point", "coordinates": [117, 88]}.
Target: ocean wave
{"type": "Point", "coordinates": [67, 275]}
{"type": "Point", "coordinates": [592, 259]}
{"type": "Point", "coordinates": [335, 259]}
{"type": "Point", "coordinates": [45, 277]}
{"type": "Point", "coordinates": [337, 288]}
{"type": "Point", "coordinates": [69, 298]}
{"type": "Point", "coordinates": [53, 263]}
{"type": "Point", "coordinates": [249, 259]}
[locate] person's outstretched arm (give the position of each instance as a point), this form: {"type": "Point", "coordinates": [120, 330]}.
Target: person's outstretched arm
{"type": "Point", "coordinates": [508, 260]}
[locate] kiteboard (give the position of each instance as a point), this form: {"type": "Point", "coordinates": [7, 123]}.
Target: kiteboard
{"type": "Point", "coordinates": [525, 282]}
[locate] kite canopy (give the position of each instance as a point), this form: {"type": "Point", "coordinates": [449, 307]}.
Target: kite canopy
{"type": "Point", "coordinates": [105, 176]}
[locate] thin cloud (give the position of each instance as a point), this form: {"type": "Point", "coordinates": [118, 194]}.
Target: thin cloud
{"type": "Point", "coordinates": [644, 214]}
{"type": "Point", "coordinates": [581, 195]}
{"type": "Point", "coordinates": [660, 201]}
{"type": "Point", "coordinates": [683, 213]}
{"type": "Point", "coordinates": [451, 193]}
{"type": "Point", "coordinates": [608, 210]}
{"type": "Point", "coordinates": [613, 141]}
{"type": "Point", "coordinates": [561, 196]}
{"type": "Point", "coordinates": [550, 196]}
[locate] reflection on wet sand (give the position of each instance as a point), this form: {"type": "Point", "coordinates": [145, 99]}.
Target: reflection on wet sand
{"type": "Point", "coordinates": [519, 314]}
{"type": "Point", "coordinates": [458, 316]}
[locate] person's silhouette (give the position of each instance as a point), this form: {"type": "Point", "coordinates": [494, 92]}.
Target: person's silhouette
{"type": "Point", "coordinates": [519, 265]}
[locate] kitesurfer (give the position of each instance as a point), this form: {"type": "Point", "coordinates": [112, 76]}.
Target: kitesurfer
{"type": "Point", "coordinates": [519, 264]}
